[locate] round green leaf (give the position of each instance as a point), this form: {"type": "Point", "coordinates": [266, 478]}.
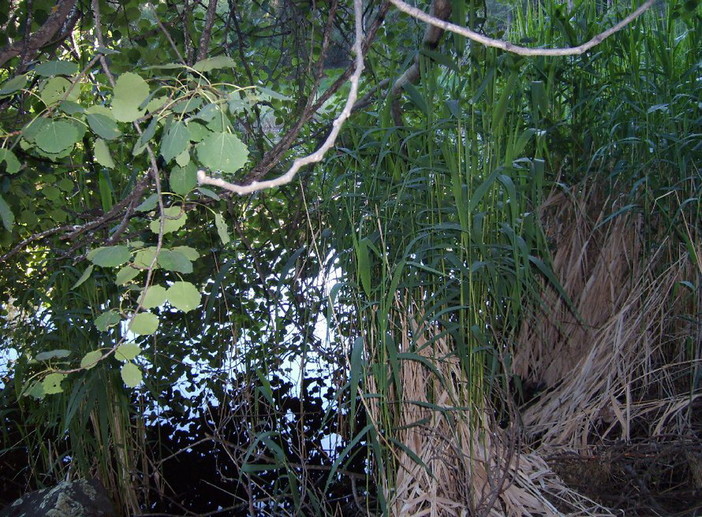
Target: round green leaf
{"type": "Point", "coordinates": [130, 92]}
{"type": "Point", "coordinates": [174, 220]}
{"type": "Point", "coordinates": [144, 258]}
{"type": "Point", "coordinates": [57, 89]}
{"type": "Point", "coordinates": [144, 323]}
{"type": "Point", "coordinates": [127, 351]}
{"type": "Point", "coordinates": [52, 383]}
{"type": "Point", "coordinates": [126, 274]}
{"type": "Point", "coordinates": [212, 63]}
{"type": "Point", "coordinates": [90, 359]}
{"type": "Point", "coordinates": [222, 229]}
{"type": "Point", "coordinates": [175, 140]}
{"type": "Point", "coordinates": [13, 85]}
{"type": "Point", "coordinates": [57, 136]}
{"type": "Point", "coordinates": [172, 260]}
{"type": "Point", "coordinates": [222, 152]}
{"type": "Point", "coordinates": [110, 256]}
{"type": "Point", "coordinates": [6, 214]}
{"type": "Point", "coordinates": [52, 68]}
{"type": "Point", "coordinates": [53, 354]}
{"type": "Point", "coordinates": [154, 296]}
{"type": "Point", "coordinates": [190, 253]}
{"type": "Point", "coordinates": [102, 154]}
{"type": "Point", "coordinates": [183, 296]}
{"type": "Point", "coordinates": [107, 319]}
{"type": "Point", "coordinates": [183, 179]}
{"type": "Point", "coordinates": [183, 159]}
{"type": "Point", "coordinates": [148, 204]}
{"type": "Point", "coordinates": [12, 164]}
{"type": "Point", "coordinates": [70, 107]}
{"type": "Point", "coordinates": [131, 375]}
{"type": "Point", "coordinates": [36, 391]}
{"type": "Point", "coordinates": [103, 126]}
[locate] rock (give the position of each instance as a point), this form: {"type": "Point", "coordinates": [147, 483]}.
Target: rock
{"type": "Point", "coordinates": [79, 498]}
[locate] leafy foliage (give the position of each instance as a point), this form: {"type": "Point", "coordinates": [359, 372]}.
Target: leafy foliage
{"type": "Point", "coordinates": [136, 300]}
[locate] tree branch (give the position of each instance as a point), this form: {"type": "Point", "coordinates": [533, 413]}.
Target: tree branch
{"type": "Point", "coordinates": [440, 10]}
{"type": "Point", "coordinates": [274, 155]}
{"type": "Point", "coordinates": [207, 31]}
{"type": "Point", "coordinates": [318, 155]}
{"type": "Point", "coordinates": [42, 37]}
{"type": "Point", "coordinates": [516, 49]}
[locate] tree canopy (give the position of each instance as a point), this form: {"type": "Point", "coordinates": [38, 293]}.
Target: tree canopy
{"type": "Point", "coordinates": [332, 246]}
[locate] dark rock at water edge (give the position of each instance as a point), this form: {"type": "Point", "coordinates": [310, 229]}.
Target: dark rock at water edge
{"type": "Point", "coordinates": [79, 498]}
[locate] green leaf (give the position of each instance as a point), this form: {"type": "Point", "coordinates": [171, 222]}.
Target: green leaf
{"type": "Point", "coordinates": [190, 253]}
{"type": "Point", "coordinates": [209, 193]}
{"type": "Point", "coordinates": [107, 319]}
{"type": "Point", "coordinates": [90, 359]}
{"type": "Point", "coordinates": [126, 274]}
{"type": "Point", "coordinates": [8, 218]}
{"type": "Point", "coordinates": [183, 159]}
{"type": "Point", "coordinates": [186, 105]}
{"type": "Point", "coordinates": [70, 107]}
{"type": "Point", "coordinates": [102, 154]}
{"type": "Point", "coordinates": [103, 126]}
{"type": "Point", "coordinates": [131, 375]}
{"type": "Point", "coordinates": [86, 274]}
{"type": "Point", "coordinates": [207, 113]}
{"type": "Point", "coordinates": [213, 63]}
{"type": "Point", "coordinates": [51, 193]}
{"type": "Point", "coordinates": [58, 89]}
{"type": "Point", "coordinates": [171, 260]}
{"type": "Point", "coordinates": [57, 136]}
{"type": "Point", "coordinates": [36, 391]}
{"type": "Point", "coordinates": [183, 179]}
{"type": "Point", "coordinates": [268, 94]}
{"type": "Point", "coordinates": [144, 323]}
{"type": "Point", "coordinates": [175, 141]}
{"type": "Point", "coordinates": [12, 164]}
{"type": "Point", "coordinates": [174, 220]}
{"type": "Point", "coordinates": [356, 371]}
{"type": "Point", "coordinates": [52, 383]}
{"type": "Point", "coordinates": [222, 229]}
{"type": "Point", "coordinates": [148, 204]}
{"type": "Point", "coordinates": [13, 85]}
{"type": "Point", "coordinates": [184, 296]}
{"type": "Point", "coordinates": [363, 265]}
{"type": "Point", "coordinates": [222, 152]}
{"type": "Point", "coordinates": [32, 128]}
{"type": "Point", "coordinates": [53, 354]}
{"type": "Point", "coordinates": [198, 132]}
{"type": "Point", "coordinates": [144, 138]}
{"type": "Point", "coordinates": [51, 68]}
{"type": "Point", "coordinates": [127, 351]}
{"type": "Point", "coordinates": [110, 256]}
{"type": "Point", "coordinates": [130, 92]}
{"type": "Point", "coordinates": [155, 103]}
{"type": "Point", "coordinates": [154, 296]}
{"type": "Point", "coordinates": [144, 258]}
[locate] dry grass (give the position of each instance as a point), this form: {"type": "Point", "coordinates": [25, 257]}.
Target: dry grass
{"type": "Point", "coordinates": [462, 463]}
{"type": "Point", "coordinates": [623, 368]}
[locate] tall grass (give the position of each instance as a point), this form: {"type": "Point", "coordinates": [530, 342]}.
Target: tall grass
{"type": "Point", "coordinates": [440, 234]}
{"type": "Point", "coordinates": [443, 238]}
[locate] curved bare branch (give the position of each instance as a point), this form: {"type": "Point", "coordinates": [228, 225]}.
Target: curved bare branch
{"type": "Point", "coordinates": [516, 49]}
{"type": "Point", "coordinates": [318, 155]}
